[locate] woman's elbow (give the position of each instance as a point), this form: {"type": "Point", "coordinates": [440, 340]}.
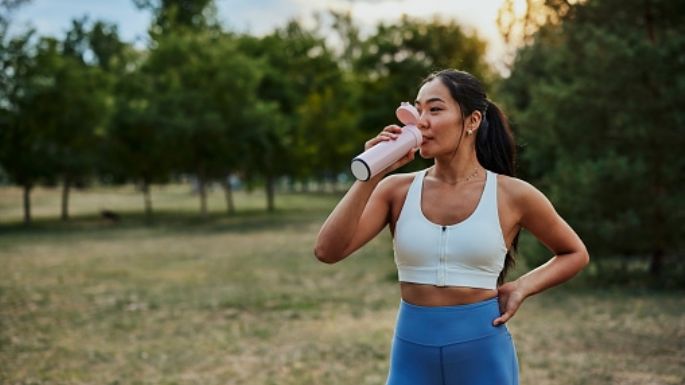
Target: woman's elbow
{"type": "Point", "coordinates": [584, 257]}
{"type": "Point", "coordinates": [325, 256]}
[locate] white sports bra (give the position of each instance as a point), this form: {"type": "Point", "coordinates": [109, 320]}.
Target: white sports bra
{"type": "Point", "coordinates": [470, 253]}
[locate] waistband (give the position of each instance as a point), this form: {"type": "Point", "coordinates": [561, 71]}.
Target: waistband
{"type": "Point", "coordinates": [445, 325]}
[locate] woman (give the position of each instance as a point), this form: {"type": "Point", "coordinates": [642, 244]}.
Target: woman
{"type": "Point", "coordinates": [453, 226]}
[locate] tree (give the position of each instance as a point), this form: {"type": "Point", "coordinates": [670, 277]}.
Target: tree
{"type": "Point", "coordinates": [596, 100]}
{"type": "Point", "coordinates": [136, 148]}
{"type": "Point", "coordinates": [302, 80]}
{"type": "Point", "coordinates": [202, 83]}
{"type": "Point", "coordinates": [80, 95]}
{"type": "Point", "coordinates": [266, 145]}
{"type": "Point", "coordinates": [327, 130]}
{"type": "Point", "coordinates": [16, 141]}
{"type": "Point", "coordinates": [23, 137]}
{"type": "Point", "coordinates": [54, 105]}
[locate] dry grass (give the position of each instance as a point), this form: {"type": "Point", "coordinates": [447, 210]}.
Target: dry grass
{"type": "Point", "coordinates": [241, 300]}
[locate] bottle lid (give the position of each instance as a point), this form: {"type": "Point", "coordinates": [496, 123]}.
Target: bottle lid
{"type": "Point", "coordinates": [407, 114]}
{"type": "Point", "coordinates": [360, 169]}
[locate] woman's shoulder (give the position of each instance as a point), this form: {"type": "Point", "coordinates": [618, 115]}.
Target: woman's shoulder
{"type": "Point", "coordinates": [512, 184]}
{"type": "Point", "coordinates": [398, 183]}
{"type": "Point", "coordinates": [402, 177]}
{"type": "Point", "coordinates": [519, 191]}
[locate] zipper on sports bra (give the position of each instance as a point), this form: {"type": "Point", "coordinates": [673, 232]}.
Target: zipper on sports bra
{"type": "Point", "coordinates": [441, 265]}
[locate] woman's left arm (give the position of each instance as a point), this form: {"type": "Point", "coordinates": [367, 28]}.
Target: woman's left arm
{"type": "Point", "coordinates": [538, 216]}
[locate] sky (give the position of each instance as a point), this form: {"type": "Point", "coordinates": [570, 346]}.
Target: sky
{"type": "Point", "coordinates": [258, 17]}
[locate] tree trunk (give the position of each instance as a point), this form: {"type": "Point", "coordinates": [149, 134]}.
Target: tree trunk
{"type": "Point", "coordinates": [270, 192]}
{"type": "Point", "coordinates": [228, 193]}
{"type": "Point", "coordinates": [65, 198]}
{"type": "Point", "coordinates": [656, 263]}
{"type": "Point", "coordinates": [27, 203]}
{"type": "Point", "coordinates": [202, 189]}
{"type": "Point", "coordinates": [147, 200]}
{"type": "Point", "coordinates": [649, 22]}
{"type": "Point", "coordinates": [658, 188]}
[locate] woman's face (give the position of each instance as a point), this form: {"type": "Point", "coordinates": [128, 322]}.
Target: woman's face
{"type": "Point", "coordinates": [440, 119]}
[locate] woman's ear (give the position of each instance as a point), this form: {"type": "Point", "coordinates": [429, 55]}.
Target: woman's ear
{"type": "Point", "coordinates": [475, 119]}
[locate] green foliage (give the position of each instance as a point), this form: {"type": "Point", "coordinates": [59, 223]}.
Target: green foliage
{"type": "Point", "coordinates": [135, 146]}
{"type": "Point", "coordinates": [595, 100]}
{"type": "Point", "coordinates": [314, 105]}
{"type": "Point", "coordinates": [206, 103]}
{"type": "Point", "coordinates": [23, 136]}
{"type": "Point", "coordinates": [80, 98]}
{"type": "Point", "coordinates": [54, 106]}
{"type": "Point", "coordinates": [202, 85]}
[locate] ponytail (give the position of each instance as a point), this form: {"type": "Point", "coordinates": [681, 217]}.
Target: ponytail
{"type": "Point", "coordinates": [496, 151]}
{"type": "Point", "coordinates": [495, 146]}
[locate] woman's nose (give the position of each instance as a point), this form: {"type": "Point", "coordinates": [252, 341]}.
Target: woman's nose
{"type": "Point", "coordinates": [422, 123]}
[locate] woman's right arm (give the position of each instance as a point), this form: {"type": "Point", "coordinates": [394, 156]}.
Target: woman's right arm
{"type": "Point", "coordinates": [362, 213]}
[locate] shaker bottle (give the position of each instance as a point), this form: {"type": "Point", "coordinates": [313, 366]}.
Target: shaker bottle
{"type": "Point", "coordinates": [379, 157]}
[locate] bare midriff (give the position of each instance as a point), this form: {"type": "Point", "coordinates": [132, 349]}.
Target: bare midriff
{"type": "Point", "coordinates": [431, 295]}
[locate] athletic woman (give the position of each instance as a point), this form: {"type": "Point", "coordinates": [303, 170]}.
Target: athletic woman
{"type": "Point", "coordinates": [454, 226]}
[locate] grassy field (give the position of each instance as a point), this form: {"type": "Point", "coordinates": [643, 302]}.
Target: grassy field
{"type": "Point", "coordinates": [241, 300]}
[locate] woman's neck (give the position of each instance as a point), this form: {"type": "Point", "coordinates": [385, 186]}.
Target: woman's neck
{"type": "Point", "coordinates": [461, 166]}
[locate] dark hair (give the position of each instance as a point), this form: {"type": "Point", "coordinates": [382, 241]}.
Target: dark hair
{"type": "Point", "coordinates": [495, 146]}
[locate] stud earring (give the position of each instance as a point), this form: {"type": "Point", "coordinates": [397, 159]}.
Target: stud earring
{"type": "Point", "coordinates": [469, 132]}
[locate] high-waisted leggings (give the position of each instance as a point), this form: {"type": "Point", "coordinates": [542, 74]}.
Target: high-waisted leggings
{"type": "Point", "coordinates": [452, 345]}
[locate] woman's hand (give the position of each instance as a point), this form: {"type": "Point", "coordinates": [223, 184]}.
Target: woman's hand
{"type": "Point", "coordinates": [510, 298]}
{"type": "Point", "coordinates": [390, 132]}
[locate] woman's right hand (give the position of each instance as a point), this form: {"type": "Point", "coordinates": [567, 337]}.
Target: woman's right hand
{"type": "Point", "coordinates": [390, 132]}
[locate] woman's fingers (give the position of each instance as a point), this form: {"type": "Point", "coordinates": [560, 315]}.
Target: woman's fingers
{"type": "Point", "coordinates": [503, 318]}
{"type": "Point", "coordinates": [509, 302]}
{"type": "Point", "coordinates": [393, 128]}
{"type": "Point", "coordinates": [389, 133]}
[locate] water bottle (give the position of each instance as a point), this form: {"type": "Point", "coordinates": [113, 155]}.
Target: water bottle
{"type": "Point", "coordinates": [379, 157]}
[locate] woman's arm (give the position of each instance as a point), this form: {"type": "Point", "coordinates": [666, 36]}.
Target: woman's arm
{"type": "Point", "coordinates": [359, 216]}
{"type": "Point", "coordinates": [538, 216]}
{"type": "Point", "coordinates": [363, 211]}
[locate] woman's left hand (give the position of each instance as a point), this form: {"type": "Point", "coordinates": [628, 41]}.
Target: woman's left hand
{"type": "Point", "coordinates": [510, 298]}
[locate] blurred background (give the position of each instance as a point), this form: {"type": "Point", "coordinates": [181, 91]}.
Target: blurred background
{"type": "Point", "coordinates": [165, 166]}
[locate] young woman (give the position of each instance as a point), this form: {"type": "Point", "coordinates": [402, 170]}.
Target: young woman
{"type": "Point", "coordinates": [453, 226]}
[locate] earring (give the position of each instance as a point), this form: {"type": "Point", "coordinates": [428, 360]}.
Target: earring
{"type": "Point", "coordinates": [469, 132]}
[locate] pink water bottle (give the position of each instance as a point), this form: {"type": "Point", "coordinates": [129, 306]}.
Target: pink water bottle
{"type": "Point", "coordinates": [379, 157]}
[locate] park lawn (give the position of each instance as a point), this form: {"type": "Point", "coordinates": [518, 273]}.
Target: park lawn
{"type": "Point", "coordinates": [241, 300]}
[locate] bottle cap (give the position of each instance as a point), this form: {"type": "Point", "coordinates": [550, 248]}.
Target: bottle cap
{"type": "Point", "coordinates": [407, 114]}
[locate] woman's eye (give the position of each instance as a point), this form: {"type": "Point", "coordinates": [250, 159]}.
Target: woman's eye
{"type": "Point", "coordinates": [435, 109]}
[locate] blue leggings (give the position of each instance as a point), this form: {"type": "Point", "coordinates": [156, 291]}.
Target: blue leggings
{"type": "Point", "coordinates": [452, 345]}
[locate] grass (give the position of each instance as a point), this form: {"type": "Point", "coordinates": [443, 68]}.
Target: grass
{"type": "Point", "coordinates": [241, 300]}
